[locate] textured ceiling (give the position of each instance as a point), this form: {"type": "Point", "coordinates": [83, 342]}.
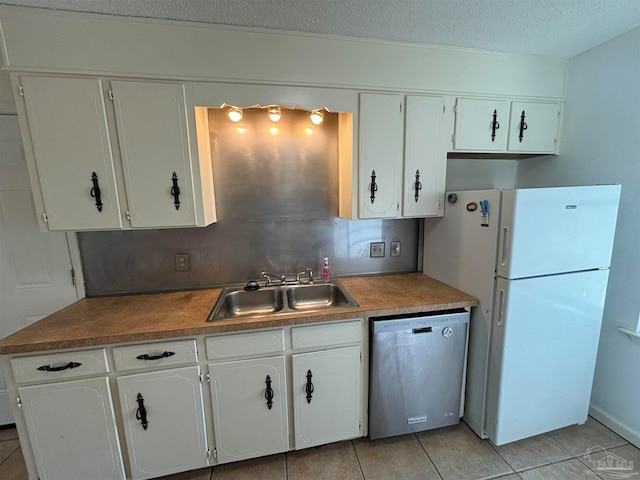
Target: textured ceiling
{"type": "Point", "coordinates": [562, 28]}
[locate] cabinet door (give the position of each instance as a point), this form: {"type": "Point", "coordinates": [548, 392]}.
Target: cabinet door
{"type": "Point", "coordinates": [68, 126]}
{"type": "Point", "coordinates": [245, 425]}
{"type": "Point", "coordinates": [380, 151]}
{"type": "Point", "coordinates": [170, 403]}
{"type": "Point", "coordinates": [154, 145]}
{"type": "Point", "coordinates": [326, 396]}
{"type": "Point", "coordinates": [424, 157]}
{"type": "Point", "coordinates": [539, 133]}
{"type": "Point", "coordinates": [474, 127]}
{"type": "Point", "coordinates": [72, 430]}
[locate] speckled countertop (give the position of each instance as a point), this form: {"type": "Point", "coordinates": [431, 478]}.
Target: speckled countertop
{"type": "Point", "coordinates": [109, 320]}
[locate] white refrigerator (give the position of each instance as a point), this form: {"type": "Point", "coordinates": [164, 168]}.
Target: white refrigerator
{"type": "Point", "coordinates": [538, 262]}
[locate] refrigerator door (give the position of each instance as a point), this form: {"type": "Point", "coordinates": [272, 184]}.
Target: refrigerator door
{"type": "Point", "coordinates": [543, 352]}
{"type": "Point", "coordinates": [461, 251]}
{"type": "Point", "coordinates": [545, 231]}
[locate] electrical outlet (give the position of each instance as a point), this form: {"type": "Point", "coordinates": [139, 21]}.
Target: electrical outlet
{"type": "Point", "coordinates": [376, 249]}
{"type": "Point", "coordinates": [395, 249]}
{"type": "Point", "coordinates": [182, 262]}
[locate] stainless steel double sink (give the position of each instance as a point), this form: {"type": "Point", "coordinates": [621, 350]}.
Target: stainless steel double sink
{"type": "Point", "coordinates": [235, 302]}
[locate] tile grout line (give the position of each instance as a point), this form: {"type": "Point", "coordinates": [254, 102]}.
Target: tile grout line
{"type": "Point", "coordinates": [428, 456]}
{"type": "Point", "coordinates": [355, 452]}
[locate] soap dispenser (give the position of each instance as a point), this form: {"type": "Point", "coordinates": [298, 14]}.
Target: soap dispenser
{"type": "Point", "coordinates": [326, 270]}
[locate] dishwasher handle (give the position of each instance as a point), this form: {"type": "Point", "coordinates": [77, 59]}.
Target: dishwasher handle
{"type": "Point", "coordinates": [417, 331]}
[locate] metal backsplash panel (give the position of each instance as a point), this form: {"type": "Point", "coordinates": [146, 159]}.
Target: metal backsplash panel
{"type": "Point", "coordinates": [264, 170]}
{"type": "Point", "coordinates": [235, 251]}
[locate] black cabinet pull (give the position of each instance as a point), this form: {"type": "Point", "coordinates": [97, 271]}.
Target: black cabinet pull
{"type": "Point", "coordinates": [95, 191]}
{"type": "Point", "coordinates": [523, 126]}
{"type": "Point", "coordinates": [374, 186]}
{"type": "Point", "coordinates": [141, 412]}
{"type": "Point", "coordinates": [494, 125]}
{"type": "Point", "coordinates": [268, 393]}
{"type": "Point", "coordinates": [175, 191]}
{"type": "Point", "coordinates": [164, 354]}
{"type": "Point", "coordinates": [308, 388]}
{"type": "Point", "coordinates": [49, 368]}
{"type": "Point", "coordinates": [417, 186]}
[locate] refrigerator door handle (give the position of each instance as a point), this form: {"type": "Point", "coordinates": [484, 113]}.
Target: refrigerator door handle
{"type": "Point", "coordinates": [504, 256]}
{"type": "Point", "coordinates": [500, 309]}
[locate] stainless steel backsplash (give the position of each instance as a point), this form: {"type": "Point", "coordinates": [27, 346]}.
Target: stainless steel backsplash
{"type": "Point", "coordinates": [235, 251]}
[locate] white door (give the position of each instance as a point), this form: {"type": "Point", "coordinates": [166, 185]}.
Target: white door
{"type": "Point", "coordinates": [326, 396]}
{"type": "Point", "coordinates": [72, 149]}
{"type": "Point", "coordinates": [72, 430]}
{"type": "Point", "coordinates": [249, 408]}
{"type": "Point", "coordinates": [35, 267]}
{"type": "Point", "coordinates": [154, 145]}
{"type": "Point", "coordinates": [163, 418]}
{"type": "Point", "coordinates": [424, 157]}
{"type": "Point", "coordinates": [481, 125]}
{"type": "Point", "coordinates": [543, 353]}
{"type": "Point", "coordinates": [553, 230]}
{"type": "Point", "coordinates": [534, 127]}
{"type": "Point", "coordinates": [380, 152]}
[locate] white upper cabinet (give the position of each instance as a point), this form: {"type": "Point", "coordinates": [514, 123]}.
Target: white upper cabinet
{"type": "Point", "coordinates": [401, 158]}
{"type": "Point", "coordinates": [72, 150]}
{"type": "Point", "coordinates": [501, 126]}
{"type": "Point", "coordinates": [534, 127]}
{"type": "Point", "coordinates": [89, 175]}
{"type": "Point", "coordinates": [380, 152]}
{"type": "Point", "coordinates": [156, 159]}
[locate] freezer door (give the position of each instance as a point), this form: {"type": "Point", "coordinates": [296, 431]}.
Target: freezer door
{"type": "Point", "coordinates": [555, 230]}
{"type": "Point", "coordinates": [460, 249]}
{"type": "Point", "coordinates": [544, 343]}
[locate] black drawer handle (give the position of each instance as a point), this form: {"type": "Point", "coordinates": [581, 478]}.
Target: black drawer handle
{"type": "Point", "coordinates": [49, 368]}
{"type": "Point", "coordinates": [164, 354]}
{"type": "Point", "coordinates": [141, 412]}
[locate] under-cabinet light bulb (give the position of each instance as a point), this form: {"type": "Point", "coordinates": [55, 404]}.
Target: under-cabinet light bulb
{"type": "Point", "coordinates": [235, 114]}
{"type": "Point", "coordinates": [274, 113]}
{"type": "Point", "coordinates": [316, 117]}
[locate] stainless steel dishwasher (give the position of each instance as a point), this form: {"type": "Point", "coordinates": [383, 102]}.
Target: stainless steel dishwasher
{"type": "Point", "coordinates": [416, 371]}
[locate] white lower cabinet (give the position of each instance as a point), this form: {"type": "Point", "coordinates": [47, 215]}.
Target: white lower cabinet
{"type": "Point", "coordinates": [249, 408]}
{"type": "Point", "coordinates": [326, 396]}
{"type": "Point", "coordinates": [72, 430]}
{"type": "Point", "coordinates": [163, 417]}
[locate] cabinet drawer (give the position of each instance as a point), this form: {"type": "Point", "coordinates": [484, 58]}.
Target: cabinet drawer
{"type": "Point", "coordinates": [246, 343]}
{"type": "Point", "coordinates": [160, 354]}
{"type": "Point", "coordinates": [326, 334]}
{"type": "Point", "coordinates": [55, 366]}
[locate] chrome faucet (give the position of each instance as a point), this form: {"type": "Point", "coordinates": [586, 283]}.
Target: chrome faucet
{"type": "Point", "coordinates": [269, 276]}
{"type": "Point", "coordinates": [309, 273]}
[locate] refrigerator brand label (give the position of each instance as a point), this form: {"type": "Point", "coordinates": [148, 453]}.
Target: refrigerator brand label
{"type": "Point", "coordinates": [571, 207]}
{"type": "Point", "coordinates": [412, 420]}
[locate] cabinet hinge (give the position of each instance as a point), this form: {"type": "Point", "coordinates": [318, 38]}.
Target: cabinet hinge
{"type": "Point", "coordinates": [19, 401]}
{"type": "Point", "coordinates": [455, 108]}
{"type": "Point", "coordinates": [360, 425]}
{"type": "Point", "coordinates": [208, 453]}
{"type": "Point", "coordinates": [360, 356]}
{"type": "Point", "coordinates": [397, 206]}
{"type": "Point", "coordinates": [21, 90]}
{"type": "Point", "coordinates": [400, 107]}
{"type": "Point", "coordinates": [73, 277]}
{"type": "Point", "coordinates": [128, 214]}
{"type": "Point", "coordinates": [45, 219]}
{"type": "Point", "coordinates": [453, 138]}
{"type": "Point", "coordinates": [205, 377]}
{"type": "Point", "coordinates": [110, 94]}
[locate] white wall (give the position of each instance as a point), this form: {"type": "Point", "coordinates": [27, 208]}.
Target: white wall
{"type": "Point", "coordinates": [601, 144]}
{"type": "Point", "coordinates": [480, 173]}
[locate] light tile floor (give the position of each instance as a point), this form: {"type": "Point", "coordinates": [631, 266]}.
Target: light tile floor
{"type": "Point", "coordinates": [453, 453]}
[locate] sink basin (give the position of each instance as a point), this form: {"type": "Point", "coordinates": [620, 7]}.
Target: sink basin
{"type": "Point", "coordinates": [235, 302]}
{"type": "Point", "coordinates": [240, 303]}
{"type": "Point", "coordinates": [313, 297]}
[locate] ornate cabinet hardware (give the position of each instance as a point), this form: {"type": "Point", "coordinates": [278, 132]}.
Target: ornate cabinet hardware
{"type": "Point", "coordinates": [141, 412]}
{"type": "Point", "coordinates": [175, 190]}
{"type": "Point", "coordinates": [523, 126]}
{"type": "Point", "coordinates": [95, 191]}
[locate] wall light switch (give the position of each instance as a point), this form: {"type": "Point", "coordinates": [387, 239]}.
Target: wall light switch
{"type": "Point", "coordinates": [376, 249]}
